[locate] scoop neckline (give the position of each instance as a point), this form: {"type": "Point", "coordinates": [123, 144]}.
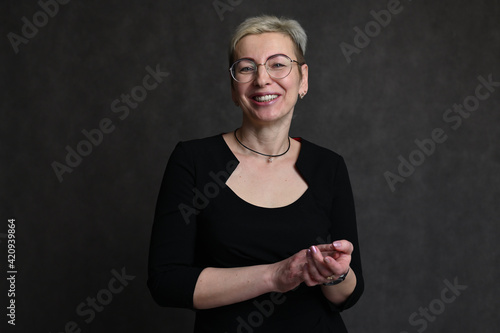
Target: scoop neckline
{"type": "Point", "coordinates": [295, 202]}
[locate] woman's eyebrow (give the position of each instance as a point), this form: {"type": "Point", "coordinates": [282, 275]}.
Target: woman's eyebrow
{"type": "Point", "coordinates": [250, 58]}
{"type": "Point", "coordinates": [246, 58]}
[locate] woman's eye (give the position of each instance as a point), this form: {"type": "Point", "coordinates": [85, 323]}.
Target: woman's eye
{"type": "Point", "coordinates": [278, 66]}
{"type": "Point", "coordinates": [246, 70]}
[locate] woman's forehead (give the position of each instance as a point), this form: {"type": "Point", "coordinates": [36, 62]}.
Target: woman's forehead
{"type": "Point", "coordinates": [262, 46]}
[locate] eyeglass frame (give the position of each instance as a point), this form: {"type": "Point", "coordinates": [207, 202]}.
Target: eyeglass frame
{"type": "Point", "coordinates": [265, 66]}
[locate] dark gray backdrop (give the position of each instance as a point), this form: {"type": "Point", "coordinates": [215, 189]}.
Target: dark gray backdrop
{"type": "Point", "coordinates": [75, 233]}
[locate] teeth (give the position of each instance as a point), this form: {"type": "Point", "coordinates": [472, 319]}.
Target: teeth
{"type": "Point", "coordinates": [265, 98]}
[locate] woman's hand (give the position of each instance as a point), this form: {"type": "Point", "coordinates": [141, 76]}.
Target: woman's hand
{"type": "Point", "coordinates": [312, 266]}
{"type": "Point", "coordinates": [326, 260]}
{"type": "Point", "coordinates": [287, 274]}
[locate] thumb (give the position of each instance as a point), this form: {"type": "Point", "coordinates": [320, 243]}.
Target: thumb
{"type": "Point", "coordinates": [343, 246]}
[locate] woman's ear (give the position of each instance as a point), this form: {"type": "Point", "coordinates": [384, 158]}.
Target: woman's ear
{"type": "Point", "coordinates": [304, 83]}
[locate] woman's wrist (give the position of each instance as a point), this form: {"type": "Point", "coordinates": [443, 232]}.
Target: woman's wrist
{"type": "Point", "coordinates": [270, 277]}
{"type": "Point", "coordinates": [340, 279]}
{"type": "Point", "coordinates": [339, 293]}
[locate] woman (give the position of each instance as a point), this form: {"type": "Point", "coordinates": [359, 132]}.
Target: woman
{"type": "Point", "coordinates": [244, 219]}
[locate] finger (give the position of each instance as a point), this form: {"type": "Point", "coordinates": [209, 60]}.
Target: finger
{"type": "Point", "coordinates": [311, 276]}
{"type": "Point", "coordinates": [334, 266]}
{"type": "Point", "coordinates": [338, 266]}
{"type": "Point", "coordinates": [321, 270]}
{"type": "Point", "coordinates": [343, 246]}
{"type": "Point", "coordinates": [325, 247]}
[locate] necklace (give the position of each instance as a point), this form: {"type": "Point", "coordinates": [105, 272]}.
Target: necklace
{"type": "Point", "coordinates": [270, 157]}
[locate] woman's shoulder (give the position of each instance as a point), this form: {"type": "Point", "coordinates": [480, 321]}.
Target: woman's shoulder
{"type": "Point", "coordinates": [318, 163]}
{"type": "Point", "coordinates": [209, 152]}
{"type": "Point", "coordinates": [204, 147]}
{"type": "Point", "coordinates": [314, 152]}
{"type": "Point", "coordinates": [202, 143]}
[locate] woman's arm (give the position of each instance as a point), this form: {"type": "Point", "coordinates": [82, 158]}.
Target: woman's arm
{"type": "Point", "coordinates": [223, 286]}
{"type": "Point", "coordinates": [344, 227]}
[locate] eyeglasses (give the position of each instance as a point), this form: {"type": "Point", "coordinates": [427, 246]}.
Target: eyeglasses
{"type": "Point", "coordinates": [277, 66]}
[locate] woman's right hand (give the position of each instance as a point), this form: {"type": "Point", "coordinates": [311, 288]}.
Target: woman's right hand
{"type": "Point", "coordinates": [287, 274]}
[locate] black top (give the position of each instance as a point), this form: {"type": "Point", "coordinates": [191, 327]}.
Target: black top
{"type": "Point", "coordinates": [200, 222]}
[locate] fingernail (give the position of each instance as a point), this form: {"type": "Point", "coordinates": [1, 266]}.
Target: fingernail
{"type": "Point", "coordinates": [314, 249]}
{"type": "Point", "coordinates": [327, 260]}
{"type": "Point", "coordinates": [337, 244]}
{"type": "Point", "coordinates": [308, 252]}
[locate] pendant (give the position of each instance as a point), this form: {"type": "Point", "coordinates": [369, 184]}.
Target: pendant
{"type": "Point", "coordinates": [270, 160]}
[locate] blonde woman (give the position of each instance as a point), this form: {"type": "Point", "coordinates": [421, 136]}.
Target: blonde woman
{"type": "Point", "coordinates": [240, 215]}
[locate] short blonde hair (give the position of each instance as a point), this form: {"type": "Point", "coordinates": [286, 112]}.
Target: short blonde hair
{"type": "Point", "coordinates": [265, 23]}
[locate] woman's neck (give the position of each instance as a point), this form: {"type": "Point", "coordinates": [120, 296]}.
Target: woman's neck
{"type": "Point", "coordinates": [270, 140]}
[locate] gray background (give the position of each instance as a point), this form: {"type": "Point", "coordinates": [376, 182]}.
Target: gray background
{"type": "Point", "coordinates": [440, 224]}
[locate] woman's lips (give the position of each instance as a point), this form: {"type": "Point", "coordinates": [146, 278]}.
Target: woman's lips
{"type": "Point", "coordinates": [265, 98]}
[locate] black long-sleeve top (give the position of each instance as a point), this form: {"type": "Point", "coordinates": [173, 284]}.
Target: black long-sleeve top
{"type": "Point", "coordinates": [200, 222]}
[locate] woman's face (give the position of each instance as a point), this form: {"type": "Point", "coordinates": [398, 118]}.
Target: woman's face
{"type": "Point", "coordinates": [265, 99]}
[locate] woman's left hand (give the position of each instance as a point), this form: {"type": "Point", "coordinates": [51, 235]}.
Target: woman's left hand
{"type": "Point", "coordinates": [327, 260]}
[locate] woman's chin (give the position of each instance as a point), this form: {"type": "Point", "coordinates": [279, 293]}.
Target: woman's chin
{"type": "Point", "coordinates": [267, 118]}
{"type": "Point", "coordinates": [268, 115]}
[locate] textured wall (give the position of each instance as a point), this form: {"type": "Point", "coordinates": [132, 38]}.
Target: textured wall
{"type": "Point", "coordinates": [406, 101]}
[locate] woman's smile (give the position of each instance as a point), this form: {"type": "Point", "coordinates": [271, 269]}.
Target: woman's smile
{"type": "Point", "coordinates": [265, 99]}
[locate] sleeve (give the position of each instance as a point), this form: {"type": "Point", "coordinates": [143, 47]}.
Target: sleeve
{"type": "Point", "coordinates": [172, 275]}
{"type": "Point", "coordinates": [344, 226]}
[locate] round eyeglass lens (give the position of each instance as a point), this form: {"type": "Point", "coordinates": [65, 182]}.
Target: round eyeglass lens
{"type": "Point", "coordinates": [243, 70]}
{"type": "Point", "coordinates": [278, 66]}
